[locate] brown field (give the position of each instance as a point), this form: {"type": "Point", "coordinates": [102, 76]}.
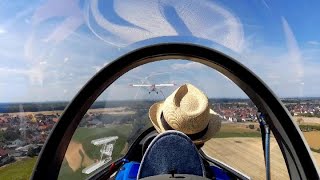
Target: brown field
{"type": "Point", "coordinates": [111, 111]}
{"type": "Point", "coordinates": [246, 155]}
{"type": "Point", "coordinates": [238, 127]}
{"type": "Point", "coordinates": [26, 113]}
{"type": "Point", "coordinates": [308, 120]}
{"type": "Point", "coordinates": [76, 156]}
{"type": "Point", "coordinates": [313, 139]}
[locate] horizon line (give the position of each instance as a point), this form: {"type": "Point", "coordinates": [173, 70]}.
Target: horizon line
{"type": "Point", "coordinates": [68, 101]}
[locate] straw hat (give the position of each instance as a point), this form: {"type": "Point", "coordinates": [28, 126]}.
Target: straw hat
{"type": "Point", "coordinates": [186, 110]}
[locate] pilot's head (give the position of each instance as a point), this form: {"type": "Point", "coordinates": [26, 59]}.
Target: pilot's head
{"type": "Point", "coordinates": [186, 110]}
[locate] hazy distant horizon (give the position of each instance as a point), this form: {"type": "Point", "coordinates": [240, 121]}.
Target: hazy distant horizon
{"type": "Point", "coordinates": [147, 100]}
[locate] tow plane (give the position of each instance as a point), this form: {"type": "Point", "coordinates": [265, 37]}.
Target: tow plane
{"type": "Point", "coordinates": [156, 88]}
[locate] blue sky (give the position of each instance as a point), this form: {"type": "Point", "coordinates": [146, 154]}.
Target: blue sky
{"type": "Point", "coordinates": [50, 48]}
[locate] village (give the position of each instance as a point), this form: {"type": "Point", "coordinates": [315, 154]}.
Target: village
{"type": "Point", "coordinates": [23, 134]}
{"type": "Point", "coordinates": [246, 111]}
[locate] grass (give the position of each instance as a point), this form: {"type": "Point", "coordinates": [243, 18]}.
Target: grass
{"type": "Point", "coordinates": [315, 150]}
{"type": "Point", "coordinates": [237, 134]}
{"type": "Point", "coordinates": [18, 170]}
{"type": "Point", "coordinates": [305, 127]}
{"type": "Point", "coordinates": [237, 130]}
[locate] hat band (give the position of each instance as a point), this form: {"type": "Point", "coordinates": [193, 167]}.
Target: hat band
{"type": "Point", "coordinates": [193, 137]}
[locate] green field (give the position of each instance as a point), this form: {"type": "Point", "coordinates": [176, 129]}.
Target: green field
{"type": "Point", "coordinates": [238, 130]}
{"type": "Point", "coordinates": [18, 170]}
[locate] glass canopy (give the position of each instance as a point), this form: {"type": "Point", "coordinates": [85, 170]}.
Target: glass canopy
{"type": "Point", "coordinates": [49, 49]}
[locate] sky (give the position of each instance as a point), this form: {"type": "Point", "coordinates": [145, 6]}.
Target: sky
{"type": "Point", "coordinates": [49, 49]}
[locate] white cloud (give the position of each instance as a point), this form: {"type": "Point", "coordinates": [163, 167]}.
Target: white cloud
{"type": "Point", "coordinates": [34, 74]}
{"type": "Point", "coordinates": [276, 67]}
{"type": "Point", "coordinates": [98, 68]}
{"type": "Point", "coordinates": [315, 43]}
{"type": "Point", "coordinates": [66, 59]}
{"type": "Point", "coordinates": [293, 50]}
{"type": "Point", "coordinates": [2, 31]}
{"type": "Point", "coordinates": [187, 66]}
{"type": "Point", "coordinates": [49, 69]}
{"type": "Point", "coordinates": [68, 9]}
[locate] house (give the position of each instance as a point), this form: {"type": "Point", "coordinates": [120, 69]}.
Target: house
{"type": "Point", "coordinates": [42, 128]}
{"type": "Point", "coordinates": [3, 153]}
{"type": "Point", "coordinates": [55, 120]}
{"type": "Point", "coordinates": [3, 128]}
{"type": "Point", "coordinates": [16, 143]}
{"type": "Point", "coordinates": [4, 157]}
{"type": "Point", "coordinates": [18, 154]}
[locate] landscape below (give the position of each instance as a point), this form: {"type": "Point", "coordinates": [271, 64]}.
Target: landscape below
{"type": "Point", "coordinates": [24, 128]}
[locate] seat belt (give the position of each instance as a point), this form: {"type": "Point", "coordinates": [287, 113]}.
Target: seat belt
{"type": "Point", "coordinates": [265, 135]}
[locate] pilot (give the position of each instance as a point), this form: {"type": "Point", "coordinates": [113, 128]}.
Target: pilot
{"type": "Point", "coordinates": [186, 110]}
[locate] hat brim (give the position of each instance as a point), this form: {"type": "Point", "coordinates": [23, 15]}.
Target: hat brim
{"type": "Point", "coordinates": [213, 126]}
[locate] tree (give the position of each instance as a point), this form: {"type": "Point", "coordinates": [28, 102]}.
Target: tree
{"type": "Point", "coordinates": [251, 126]}
{"type": "Point", "coordinates": [2, 139]}
{"type": "Point", "coordinates": [300, 120]}
{"type": "Point", "coordinates": [10, 135]}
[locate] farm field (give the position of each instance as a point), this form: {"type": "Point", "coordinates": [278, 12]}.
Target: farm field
{"type": "Point", "coordinates": [111, 111]}
{"type": "Point", "coordinates": [236, 145]}
{"type": "Point", "coordinates": [313, 139]}
{"type": "Point", "coordinates": [308, 120]}
{"type": "Point", "coordinates": [240, 147]}
{"type": "Point", "coordinates": [242, 130]}
{"type": "Point", "coordinates": [19, 170]}
{"type": "Point", "coordinates": [246, 155]}
{"type": "Point", "coordinates": [238, 130]}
